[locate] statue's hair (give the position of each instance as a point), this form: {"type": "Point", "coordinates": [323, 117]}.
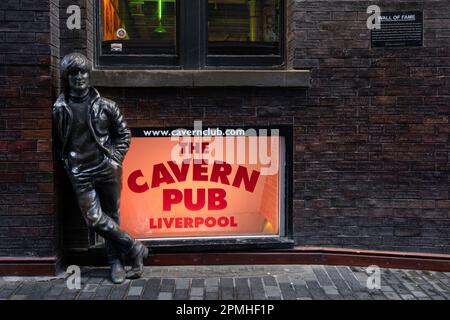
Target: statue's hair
{"type": "Point", "coordinates": [73, 61]}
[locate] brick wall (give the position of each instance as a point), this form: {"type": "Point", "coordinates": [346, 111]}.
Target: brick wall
{"type": "Point", "coordinates": [370, 135]}
{"type": "Point", "coordinates": [373, 166]}
{"type": "Point", "coordinates": [28, 57]}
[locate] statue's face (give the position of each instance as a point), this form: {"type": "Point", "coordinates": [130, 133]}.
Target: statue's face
{"type": "Point", "coordinates": [79, 80]}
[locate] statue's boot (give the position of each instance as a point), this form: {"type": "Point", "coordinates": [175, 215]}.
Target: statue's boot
{"type": "Point", "coordinates": [133, 249]}
{"type": "Point", "coordinates": [137, 256]}
{"type": "Point", "coordinates": [115, 260]}
{"type": "Point", "coordinates": [118, 273]}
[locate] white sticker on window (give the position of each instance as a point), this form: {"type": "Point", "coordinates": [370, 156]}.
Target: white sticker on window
{"type": "Point", "coordinates": [116, 47]}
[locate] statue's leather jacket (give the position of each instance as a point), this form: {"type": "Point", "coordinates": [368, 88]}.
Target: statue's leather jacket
{"type": "Point", "coordinates": [105, 123]}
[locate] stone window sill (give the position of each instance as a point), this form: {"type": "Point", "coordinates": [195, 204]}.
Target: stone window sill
{"type": "Point", "coordinates": [201, 78]}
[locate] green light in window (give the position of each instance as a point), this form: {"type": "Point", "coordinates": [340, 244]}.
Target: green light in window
{"type": "Point", "coordinates": [253, 20]}
{"type": "Point", "coordinates": [160, 28]}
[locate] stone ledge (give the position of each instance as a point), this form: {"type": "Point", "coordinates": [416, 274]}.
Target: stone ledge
{"type": "Point", "coordinates": [201, 78]}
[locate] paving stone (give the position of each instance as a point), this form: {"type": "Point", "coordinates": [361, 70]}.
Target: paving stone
{"type": "Point", "coordinates": [212, 289]}
{"type": "Point", "coordinates": [6, 293]}
{"type": "Point", "coordinates": [427, 275]}
{"type": "Point", "coordinates": [213, 282]}
{"type": "Point", "coordinates": [257, 288]}
{"type": "Point", "coordinates": [403, 278]}
{"type": "Point", "coordinates": [340, 284]}
{"type": "Point", "coordinates": [438, 297]}
{"type": "Point", "coordinates": [392, 295]}
{"type": "Point", "coordinates": [226, 288]}
{"type": "Point", "coordinates": [54, 292]}
{"type": "Point", "coordinates": [419, 294]}
{"type": "Point", "coordinates": [445, 281]}
{"type": "Point", "coordinates": [343, 288]}
{"type": "Point", "coordinates": [410, 286]}
{"type": "Point", "coordinates": [400, 288]}
{"type": "Point", "coordinates": [438, 275]}
{"type": "Point", "coordinates": [151, 289]}
{"type": "Point", "coordinates": [138, 283]}
{"type": "Point", "coordinates": [25, 289]}
{"type": "Point", "coordinates": [272, 292]}
{"type": "Point", "coordinates": [107, 282]}
{"type": "Point", "coordinates": [168, 285]}
{"type": "Point", "coordinates": [68, 294]}
{"type": "Point", "coordinates": [287, 291]}
{"type": "Point", "coordinates": [165, 296]}
{"type": "Point", "coordinates": [389, 275]}
{"type": "Point", "coordinates": [439, 286]}
{"type": "Point", "coordinates": [198, 292]}
{"type": "Point", "coordinates": [41, 289]}
{"type": "Point", "coordinates": [446, 295]}
{"type": "Point", "coordinates": [242, 288]}
{"type": "Point", "coordinates": [362, 277]}
{"type": "Point", "coordinates": [135, 291]}
{"type": "Point", "coordinates": [211, 295]}
{"type": "Point", "coordinates": [270, 281]}
{"type": "Point", "coordinates": [11, 285]}
{"type": "Point", "coordinates": [198, 283]}
{"type": "Point", "coordinates": [350, 279]}
{"type": "Point", "coordinates": [90, 287]}
{"type": "Point", "coordinates": [322, 276]}
{"type": "Point", "coordinates": [84, 280]}
{"type": "Point", "coordinates": [414, 276]}
{"type": "Point", "coordinates": [181, 294]}
{"type": "Point", "coordinates": [330, 290]}
{"type": "Point", "coordinates": [118, 292]}
{"type": "Point", "coordinates": [387, 288]}
{"type": "Point", "coordinates": [430, 291]}
{"type": "Point", "coordinates": [301, 291]}
{"type": "Point", "coordinates": [308, 274]}
{"type": "Point", "coordinates": [377, 295]}
{"type": "Point", "coordinates": [182, 284]}
{"type": "Point", "coordinates": [85, 295]}
{"type": "Point", "coordinates": [316, 291]}
{"type": "Point", "coordinates": [95, 280]}
{"type": "Point", "coordinates": [283, 278]}
{"type": "Point", "coordinates": [360, 295]}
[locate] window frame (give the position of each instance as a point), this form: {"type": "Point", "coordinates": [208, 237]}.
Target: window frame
{"type": "Point", "coordinates": [191, 45]}
{"type": "Point", "coordinates": [248, 61]}
{"type": "Point", "coordinates": [129, 61]}
{"type": "Point", "coordinates": [285, 238]}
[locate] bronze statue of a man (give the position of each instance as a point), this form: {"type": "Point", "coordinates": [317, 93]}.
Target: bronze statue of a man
{"type": "Point", "coordinates": [92, 139]}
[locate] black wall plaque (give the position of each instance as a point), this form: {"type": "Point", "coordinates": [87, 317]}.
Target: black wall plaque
{"type": "Point", "coordinates": [399, 29]}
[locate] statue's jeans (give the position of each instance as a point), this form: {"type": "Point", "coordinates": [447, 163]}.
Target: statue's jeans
{"type": "Point", "coordinates": [98, 195]}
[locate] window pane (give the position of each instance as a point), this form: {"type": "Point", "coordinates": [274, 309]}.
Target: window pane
{"type": "Point", "coordinates": [244, 27]}
{"type": "Point", "coordinates": [139, 26]}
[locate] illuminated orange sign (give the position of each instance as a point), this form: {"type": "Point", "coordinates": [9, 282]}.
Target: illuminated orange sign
{"type": "Point", "coordinates": [235, 193]}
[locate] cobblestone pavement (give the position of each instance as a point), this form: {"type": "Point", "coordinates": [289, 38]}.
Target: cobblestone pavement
{"type": "Point", "coordinates": [288, 282]}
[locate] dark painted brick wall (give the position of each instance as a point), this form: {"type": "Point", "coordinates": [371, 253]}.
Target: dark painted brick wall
{"type": "Point", "coordinates": [371, 134]}
{"type": "Point", "coordinates": [372, 166]}
{"type": "Point", "coordinates": [29, 45]}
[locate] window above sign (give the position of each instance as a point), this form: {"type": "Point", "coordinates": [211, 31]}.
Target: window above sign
{"type": "Point", "coordinates": [191, 35]}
